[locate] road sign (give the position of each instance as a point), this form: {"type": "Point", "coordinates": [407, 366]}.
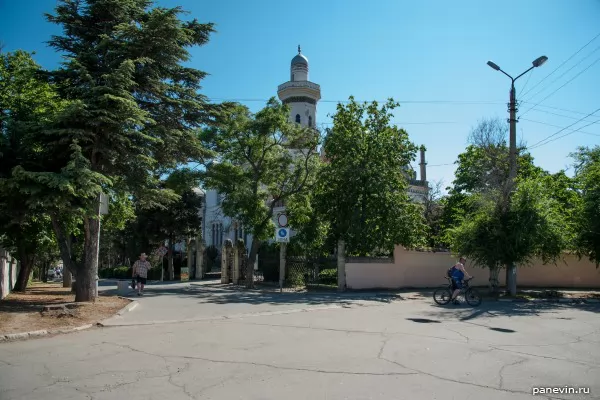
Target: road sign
{"type": "Point", "coordinates": [282, 220]}
{"type": "Point", "coordinates": [162, 251]}
{"type": "Point", "coordinates": [282, 235]}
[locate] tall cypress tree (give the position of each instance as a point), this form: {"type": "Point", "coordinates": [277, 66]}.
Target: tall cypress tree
{"type": "Point", "coordinates": [134, 111]}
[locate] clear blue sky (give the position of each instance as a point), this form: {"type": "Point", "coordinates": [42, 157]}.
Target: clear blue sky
{"type": "Point", "coordinates": [432, 53]}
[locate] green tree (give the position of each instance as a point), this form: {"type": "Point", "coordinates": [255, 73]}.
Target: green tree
{"type": "Point", "coordinates": [181, 220]}
{"type": "Point", "coordinates": [264, 160]}
{"type": "Point", "coordinates": [482, 176]}
{"type": "Point", "coordinates": [135, 111]}
{"type": "Point", "coordinates": [362, 188]}
{"type": "Point", "coordinates": [491, 236]}
{"type": "Point", "coordinates": [27, 104]}
{"type": "Point", "coordinates": [587, 177]}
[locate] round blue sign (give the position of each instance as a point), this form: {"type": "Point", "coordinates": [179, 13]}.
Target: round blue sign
{"type": "Point", "coordinates": [282, 233]}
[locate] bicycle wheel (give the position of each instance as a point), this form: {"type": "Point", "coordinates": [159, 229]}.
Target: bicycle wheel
{"type": "Point", "coordinates": [472, 297]}
{"type": "Point", "coordinates": [442, 296]}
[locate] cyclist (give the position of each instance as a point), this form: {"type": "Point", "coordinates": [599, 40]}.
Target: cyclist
{"type": "Point", "coordinates": [458, 274]}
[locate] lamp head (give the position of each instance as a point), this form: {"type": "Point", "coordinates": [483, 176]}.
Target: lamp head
{"type": "Point", "coordinates": [538, 62]}
{"type": "Point", "coordinates": [493, 65]}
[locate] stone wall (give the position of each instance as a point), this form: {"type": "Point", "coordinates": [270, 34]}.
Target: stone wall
{"type": "Point", "coordinates": [8, 272]}
{"type": "Point", "coordinates": [415, 269]}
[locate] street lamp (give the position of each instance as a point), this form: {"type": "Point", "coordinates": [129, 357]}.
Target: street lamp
{"type": "Point", "coordinates": [511, 273]}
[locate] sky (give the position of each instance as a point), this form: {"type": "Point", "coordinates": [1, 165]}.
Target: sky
{"type": "Point", "coordinates": [429, 55]}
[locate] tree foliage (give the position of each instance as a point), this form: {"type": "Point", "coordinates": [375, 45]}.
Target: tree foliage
{"type": "Point", "coordinates": [362, 188]}
{"type": "Point", "coordinates": [27, 104]}
{"type": "Point", "coordinates": [134, 113]}
{"type": "Point", "coordinates": [587, 178]}
{"type": "Point", "coordinates": [264, 160]}
{"type": "Point", "coordinates": [532, 227]}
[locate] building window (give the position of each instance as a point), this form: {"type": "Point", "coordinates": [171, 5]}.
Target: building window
{"type": "Point", "coordinates": [297, 118]}
{"type": "Point", "coordinates": [293, 77]}
{"type": "Point", "coordinates": [239, 232]}
{"type": "Point", "coordinates": [217, 234]}
{"type": "Point", "coordinates": [310, 121]}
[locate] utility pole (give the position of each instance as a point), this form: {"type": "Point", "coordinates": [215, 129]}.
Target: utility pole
{"type": "Point", "coordinates": [511, 268]}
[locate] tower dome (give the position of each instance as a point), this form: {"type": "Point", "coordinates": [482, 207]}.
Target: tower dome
{"type": "Point", "coordinates": [300, 59]}
{"type": "Point", "coordinates": [299, 67]}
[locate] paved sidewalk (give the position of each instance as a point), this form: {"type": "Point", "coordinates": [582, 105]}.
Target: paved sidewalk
{"type": "Point", "coordinates": [187, 302]}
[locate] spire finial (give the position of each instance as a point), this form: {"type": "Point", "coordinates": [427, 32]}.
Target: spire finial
{"type": "Point", "coordinates": [298, 49]}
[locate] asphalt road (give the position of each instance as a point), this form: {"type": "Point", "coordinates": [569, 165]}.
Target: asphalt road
{"type": "Point", "coordinates": [203, 342]}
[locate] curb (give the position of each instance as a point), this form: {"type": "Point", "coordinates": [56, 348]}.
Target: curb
{"type": "Point", "coordinates": [33, 334]}
{"type": "Point", "coordinates": [26, 335]}
{"type": "Point", "coordinates": [129, 307]}
{"type": "Point", "coordinates": [561, 301]}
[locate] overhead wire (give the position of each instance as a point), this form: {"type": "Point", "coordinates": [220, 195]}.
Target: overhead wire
{"type": "Point", "coordinates": [563, 63]}
{"type": "Point", "coordinates": [546, 141]}
{"type": "Point", "coordinates": [566, 83]}
{"type": "Point", "coordinates": [564, 73]}
{"type": "Point", "coordinates": [558, 126]}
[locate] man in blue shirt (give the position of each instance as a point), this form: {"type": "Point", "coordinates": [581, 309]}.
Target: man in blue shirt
{"type": "Point", "coordinates": [458, 274]}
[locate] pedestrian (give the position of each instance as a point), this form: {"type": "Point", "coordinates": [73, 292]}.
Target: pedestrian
{"type": "Point", "coordinates": [140, 272]}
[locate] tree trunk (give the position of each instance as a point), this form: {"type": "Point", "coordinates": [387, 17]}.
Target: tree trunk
{"type": "Point", "coordinates": [511, 279]}
{"type": "Point", "coordinates": [26, 262]}
{"type": "Point", "coordinates": [171, 267]}
{"type": "Point", "coordinates": [341, 264]}
{"type": "Point", "coordinates": [493, 280]}
{"type": "Point", "coordinates": [64, 245]}
{"type": "Point", "coordinates": [251, 261]}
{"type": "Point", "coordinates": [44, 268]}
{"type": "Point", "coordinates": [67, 278]}
{"type": "Point", "coordinates": [87, 274]}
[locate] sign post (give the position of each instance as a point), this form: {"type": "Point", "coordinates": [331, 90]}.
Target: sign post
{"type": "Point", "coordinates": [282, 236]}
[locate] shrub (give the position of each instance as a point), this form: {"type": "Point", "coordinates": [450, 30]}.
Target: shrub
{"type": "Point", "coordinates": [328, 276]}
{"type": "Point", "coordinates": [154, 273]}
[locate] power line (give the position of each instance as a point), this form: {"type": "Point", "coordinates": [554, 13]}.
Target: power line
{"type": "Point", "coordinates": [563, 63]}
{"type": "Point", "coordinates": [453, 102]}
{"type": "Point", "coordinates": [557, 114]}
{"type": "Point", "coordinates": [558, 126]}
{"type": "Point", "coordinates": [566, 83]}
{"type": "Point", "coordinates": [566, 134]}
{"type": "Point", "coordinates": [566, 72]}
{"type": "Point", "coordinates": [409, 123]}
{"type": "Point", "coordinates": [525, 85]}
{"type": "Point", "coordinates": [439, 165]}
{"type": "Point", "coordinates": [561, 130]}
{"type": "Point", "coordinates": [553, 108]}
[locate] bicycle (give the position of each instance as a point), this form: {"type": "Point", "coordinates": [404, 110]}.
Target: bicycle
{"type": "Point", "coordinates": [443, 295]}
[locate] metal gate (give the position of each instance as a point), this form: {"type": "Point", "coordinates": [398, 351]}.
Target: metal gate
{"type": "Point", "coordinates": [311, 272]}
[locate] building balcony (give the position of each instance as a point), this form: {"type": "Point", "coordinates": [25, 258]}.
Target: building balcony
{"type": "Point", "coordinates": [417, 182]}
{"type": "Point", "coordinates": [298, 84]}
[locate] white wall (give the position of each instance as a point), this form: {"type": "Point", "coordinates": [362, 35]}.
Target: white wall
{"type": "Point", "coordinates": [8, 273]}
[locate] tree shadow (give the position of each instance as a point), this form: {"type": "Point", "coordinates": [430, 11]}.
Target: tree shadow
{"type": "Point", "coordinates": [424, 320]}
{"type": "Point", "coordinates": [217, 293]}
{"type": "Point", "coordinates": [503, 330]}
{"type": "Point", "coordinates": [491, 309]}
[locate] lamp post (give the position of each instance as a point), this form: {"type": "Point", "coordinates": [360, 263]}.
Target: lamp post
{"type": "Point", "coordinates": [511, 271]}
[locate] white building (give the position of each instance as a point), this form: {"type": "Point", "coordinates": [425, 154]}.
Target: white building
{"type": "Point", "coordinates": [302, 96]}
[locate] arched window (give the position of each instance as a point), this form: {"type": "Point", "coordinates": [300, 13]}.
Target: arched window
{"type": "Point", "coordinates": [297, 118]}
{"type": "Point", "coordinates": [310, 121]}
{"type": "Point", "coordinates": [293, 77]}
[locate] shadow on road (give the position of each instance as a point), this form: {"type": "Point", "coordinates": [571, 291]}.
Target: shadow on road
{"type": "Point", "coordinates": [216, 293]}
{"type": "Point", "coordinates": [424, 320]}
{"type": "Point", "coordinates": [492, 309]}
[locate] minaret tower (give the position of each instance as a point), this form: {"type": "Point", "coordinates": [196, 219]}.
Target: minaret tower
{"type": "Point", "coordinates": [299, 93]}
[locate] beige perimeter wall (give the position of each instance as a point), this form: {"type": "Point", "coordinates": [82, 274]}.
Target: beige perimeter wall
{"type": "Point", "coordinates": [426, 269]}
